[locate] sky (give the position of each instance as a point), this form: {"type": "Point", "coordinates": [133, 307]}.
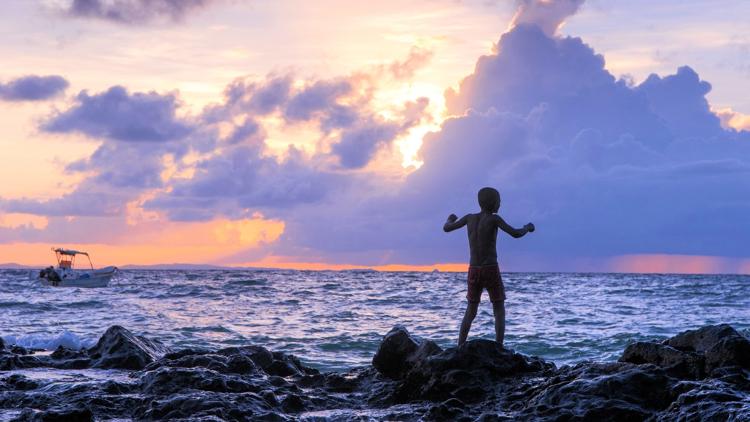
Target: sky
{"type": "Point", "coordinates": [333, 134]}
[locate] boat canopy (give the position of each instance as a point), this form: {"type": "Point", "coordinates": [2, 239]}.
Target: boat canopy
{"type": "Point", "coordinates": [66, 257]}
{"type": "Point", "coordinates": [72, 252]}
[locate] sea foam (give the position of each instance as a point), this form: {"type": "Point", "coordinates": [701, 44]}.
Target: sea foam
{"type": "Point", "coordinates": [46, 342]}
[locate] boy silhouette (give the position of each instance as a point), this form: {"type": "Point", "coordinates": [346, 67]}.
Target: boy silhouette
{"type": "Point", "coordinates": [484, 273]}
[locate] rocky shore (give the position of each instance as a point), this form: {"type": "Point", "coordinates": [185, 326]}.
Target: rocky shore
{"type": "Point", "coordinates": [701, 374]}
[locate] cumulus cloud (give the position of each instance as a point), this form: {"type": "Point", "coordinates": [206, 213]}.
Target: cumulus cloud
{"type": "Point", "coordinates": [548, 15]}
{"type": "Point", "coordinates": [233, 172]}
{"type": "Point", "coordinates": [603, 167]}
{"type": "Point", "coordinates": [81, 202]}
{"type": "Point", "coordinates": [134, 11]}
{"type": "Point", "coordinates": [118, 115]}
{"type": "Point", "coordinates": [33, 88]}
{"type": "Point", "coordinates": [242, 180]}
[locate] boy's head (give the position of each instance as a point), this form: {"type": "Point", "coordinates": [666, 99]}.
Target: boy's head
{"type": "Point", "coordinates": [489, 199]}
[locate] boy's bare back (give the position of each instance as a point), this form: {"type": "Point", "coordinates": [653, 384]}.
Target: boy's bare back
{"type": "Point", "coordinates": [482, 229]}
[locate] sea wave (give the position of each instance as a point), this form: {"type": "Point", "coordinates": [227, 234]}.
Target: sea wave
{"type": "Point", "coordinates": [334, 320]}
{"type": "Point", "coordinates": [47, 342]}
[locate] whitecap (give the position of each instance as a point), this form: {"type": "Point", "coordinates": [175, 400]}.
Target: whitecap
{"type": "Point", "coordinates": [47, 342]}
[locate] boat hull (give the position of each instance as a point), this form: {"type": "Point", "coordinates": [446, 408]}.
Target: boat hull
{"type": "Point", "coordinates": [95, 278]}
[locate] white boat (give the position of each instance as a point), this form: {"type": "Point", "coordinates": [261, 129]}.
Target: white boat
{"type": "Point", "coordinates": [65, 275]}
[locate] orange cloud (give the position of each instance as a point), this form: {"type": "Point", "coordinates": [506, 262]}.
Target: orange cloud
{"type": "Point", "coordinates": [280, 262]}
{"type": "Point", "coordinates": [14, 220]}
{"type": "Point", "coordinates": [731, 119]}
{"type": "Point", "coordinates": [162, 242]}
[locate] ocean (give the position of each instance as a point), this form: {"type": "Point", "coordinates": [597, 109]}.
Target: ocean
{"type": "Point", "coordinates": [335, 320]}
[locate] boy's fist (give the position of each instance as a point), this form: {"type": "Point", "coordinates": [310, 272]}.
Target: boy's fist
{"type": "Point", "coordinates": [452, 218]}
{"type": "Point", "coordinates": [530, 227]}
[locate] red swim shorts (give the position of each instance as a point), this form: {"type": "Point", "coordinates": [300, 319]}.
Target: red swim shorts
{"type": "Point", "coordinates": [485, 277]}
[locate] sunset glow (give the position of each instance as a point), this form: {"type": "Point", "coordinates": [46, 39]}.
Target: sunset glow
{"type": "Point", "coordinates": [340, 135]}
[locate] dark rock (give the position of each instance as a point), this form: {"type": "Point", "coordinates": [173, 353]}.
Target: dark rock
{"type": "Point", "coordinates": [240, 365]}
{"type": "Point", "coordinates": [64, 415]}
{"type": "Point", "coordinates": [65, 353]}
{"type": "Point", "coordinates": [293, 403]}
{"type": "Point", "coordinates": [164, 381]}
{"type": "Point", "coordinates": [734, 350]}
{"type": "Point", "coordinates": [19, 350]}
{"type": "Point", "coordinates": [261, 356]}
{"type": "Point", "coordinates": [702, 339]}
{"type": "Point", "coordinates": [10, 361]}
{"type": "Point", "coordinates": [713, 401]}
{"type": "Point", "coordinates": [694, 354]}
{"type": "Point", "coordinates": [18, 382]}
{"type": "Point", "coordinates": [284, 365]}
{"type": "Point", "coordinates": [194, 406]}
{"type": "Point", "coordinates": [269, 397]}
{"type": "Point", "coordinates": [702, 376]}
{"type": "Point", "coordinates": [2, 343]}
{"type": "Point", "coordinates": [683, 364]}
{"type": "Point", "coordinates": [469, 371]}
{"type": "Point", "coordinates": [447, 410]}
{"type": "Point", "coordinates": [119, 348]}
{"type": "Point", "coordinates": [399, 351]}
{"type": "Point", "coordinates": [601, 391]}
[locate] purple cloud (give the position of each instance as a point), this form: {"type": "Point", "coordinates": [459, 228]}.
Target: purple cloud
{"type": "Point", "coordinates": [81, 202]}
{"type": "Point", "coordinates": [33, 88]}
{"type": "Point", "coordinates": [604, 168]}
{"type": "Point", "coordinates": [118, 115]}
{"type": "Point", "coordinates": [321, 98]}
{"type": "Point", "coordinates": [134, 11]}
{"type": "Point", "coordinates": [242, 180]}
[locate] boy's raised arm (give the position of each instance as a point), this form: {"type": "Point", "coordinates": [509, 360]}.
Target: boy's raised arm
{"type": "Point", "coordinates": [507, 228]}
{"type": "Point", "coordinates": [454, 223]}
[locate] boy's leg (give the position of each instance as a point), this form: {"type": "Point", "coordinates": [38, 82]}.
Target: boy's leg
{"type": "Point", "coordinates": [469, 315]}
{"type": "Point", "coordinates": [498, 308]}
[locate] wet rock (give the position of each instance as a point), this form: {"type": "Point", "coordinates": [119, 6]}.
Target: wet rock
{"type": "Point", "coordinates": [65, 353]}
{"type": "Point", "coordinates": [399, 352]}
{"type": "Point", "coordinates": [261, 356]}
{"type": "Point", "coordinates": [213, 361]}
{"type": "Point", "coordinates": [702, 339]}
{"type": "Point", "coordinates": [729, 351]}
{"type": "Point", "coordinates": [10, 361]}
{"type": "Point", "coordinates": [601, 391]}
{"type": "Point", "coordinates": [468, 372]}
{"type": "Point", "coordinates": [721, 344]}
{"type": "Point", "coordinates": [165, 380]}
{"type": "Point", "coordinates": [284, 365]}
{"type": "Point", "coordinates": [63, 415]}
{"type": "Point", "coordinates": [694, 354]}
{"type": "Point", "coordinates": [19, 350]}
{"type": "Point", "coordinates": [18, 382]}
{"type": "Point", "coordinates": [64, 358]}
{"type": "Point", "coordinates": [683, 364]}
{"type": "Point", "coordinates": [447, 410]}
{"type": "Point", "coordinates": [713, 401]}
{"type": "Point", "coordinates": [121, 349]}
{"type": "Point", "coordinates": [293, 403]}
{"type": "Point", "coordinates": [701, 376]}
{"type": "Point", "coordinates": [194, 406]}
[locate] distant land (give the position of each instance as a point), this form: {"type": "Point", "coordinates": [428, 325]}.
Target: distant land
{"type": "Point", "coordinates": [14, 266]}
